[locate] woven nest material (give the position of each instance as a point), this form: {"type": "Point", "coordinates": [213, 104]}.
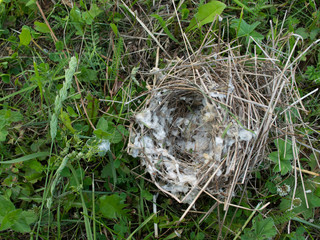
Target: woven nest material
{"type": "Point", "coordinates": [204, 126]}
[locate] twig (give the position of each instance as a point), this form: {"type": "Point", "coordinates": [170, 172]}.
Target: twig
{"type": "Point", "coordinates": [46, 21]}
{"type": "Point", "coordinates": [308, 172]}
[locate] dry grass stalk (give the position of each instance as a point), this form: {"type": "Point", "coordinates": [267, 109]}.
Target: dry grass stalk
{"type": "Point", "coordinates": [232, 99]}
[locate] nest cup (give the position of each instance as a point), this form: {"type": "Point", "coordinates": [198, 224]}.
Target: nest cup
{"type": "Point", "coordinates": [205, 123]}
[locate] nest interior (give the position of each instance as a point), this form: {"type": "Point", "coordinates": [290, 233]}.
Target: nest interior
{"type": "Point", "coordinates": [205, 124]}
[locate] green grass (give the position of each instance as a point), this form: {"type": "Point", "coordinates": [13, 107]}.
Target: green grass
{"type": "Point", "coordinates": [56, 183]}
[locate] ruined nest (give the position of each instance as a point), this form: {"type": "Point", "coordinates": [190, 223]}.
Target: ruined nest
{"type": "Point", "coordinates": [205, 124]}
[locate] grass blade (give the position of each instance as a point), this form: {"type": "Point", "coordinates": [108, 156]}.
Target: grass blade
{"type": "Point", "coordinates": [141, 226]}
{"type": "Point", "coordinates": [18, 92]}
{"type": "Point", "coordinates": [26, 158]}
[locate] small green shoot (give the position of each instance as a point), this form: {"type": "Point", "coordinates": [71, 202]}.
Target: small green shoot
{"type": "Point", "coordinates": [25, 36]}
{"type": "Point", "coordinates": [7, 117]}
{"type": "Point", "coordinates": [262, 229]}
{"type": "Point", "coordinates": [207, 13]}
{"type": "Point", "coordinates": [282, 158]}
{"type": "Point", "coordinates": [112, 206]}
{"type": "Point", "coordinates": [246, 30]}
{"type": "Point", "coordinates": [15, 219]}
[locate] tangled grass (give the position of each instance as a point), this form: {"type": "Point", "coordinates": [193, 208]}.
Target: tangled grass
{"type": "Point", "coordinates": [205, 125]}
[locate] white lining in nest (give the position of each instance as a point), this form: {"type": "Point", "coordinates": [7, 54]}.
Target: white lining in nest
{"type": "Point", "coordinates": [162, 141]}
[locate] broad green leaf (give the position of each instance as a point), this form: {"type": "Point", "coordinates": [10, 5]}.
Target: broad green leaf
{"type": "Point", "coordinates": [271, 187]}
{"type": "Point", "coordinates": [314, 32]}
{"type": "Point", "coordinates": [15, 116]}
{"type": "Point", "coordinates": [245, 29]}
{"type": "Point", "coordinates": [261, 229]}
{"type": "Point", "coordinates": [164, 26]}
{"type": "Point", "coordinates": [118, 133]}
{"type": "Point", "coordinates": [5, 78]}
{"type": "Point", "coordinates": [284, 155]}
{"type": "Point", "coordinates": [91, 14]}
{"type": "Point", "coordinates": [3, 134]}
{"type": "Point", "coordinates": [41, 27]}
{"type": "Point", "coordinates": [123, 130]}
{"type": "Point", "coordinates": [109, 131]}
{"type": "Point", "coordinates": [88, 75]}
{"type": "Point", "coordinates": [3, 122]}
{"type": "Point", "coordinates": [184, 13]}
{"type": "Point", "coordinates": [313, 200]}
{"type": "Point", "coordinates": [299, 204]}
{"type": "Point", "coordinates": [121, 228]}
{"type": "Point", "coordinates": [285, 148]}
{"type": "Point", "coordinates": [10, 116]}
{"type": "Point", "coordinates": [112, 206]}
{"type": "Point", "coordinates": [18, 220]}
{"type": "Point", "coordinates": [76, 20]}
{"type": "Point", "coordinates": [313, 163]}
{"type": "Point", "coordinates": [206, 14]}
{"type": "Point", "coordinates": [107, 171]}
{"type": "Point", "coordinates": [30, 216]}
{"type": "Point", "coordinates": [116, 136]}
{"type": "Point", "coordinates": [146, 194]}
{"type": "Point", "coordinates": [102, 134]}
{"type": "Point", "coordinates": [59, 45]}
{"type": "Point", "coordinates": [9, 181]}
{"type": "Point", "coordinates": [81, 127]}
{"type": "Point", "coordinates": [285, 167]}
{"type": "Point", "coordinates": [32, 176]}
{"type": "Point", "coordinates": [117, 163]}
{"type": "Point", "coordinates": [55, 57]}
{"type": "Point", "coordinates": [66, 121]}
{"type": "Point", "coordinates": [21, 226]}
{"type": "Point", "coordinates": [285, 164]}
{"type": "Point", "coordinates": [71, 112]}
{"type": "Point", "coordinates": [103, 124]}
{"type": "Point", "coordinates": [257, 36]}
{"type": "Point", "coordinates": [114, 28]}
{"type": "Point", "coordinates": [297, 235]}
{"type": "Point", "coordinates": [95, 10]}
{"type": "Point", "coordinates": [30, 2]}
{"type": "Point", "coordinates": [75, 14]}
{"type": "Point", "coordinates": [5, 206]}
{"type": "Point", "coordinates": [34, 165]}
{"type": "Point", "coordinates": [274, 156]}
{"type": "Point", "coordinates": [10, 219]}
{"type": "Point", "coordinates": [302, 32]}
{"type": "Point", "coordinates": [25, 36]}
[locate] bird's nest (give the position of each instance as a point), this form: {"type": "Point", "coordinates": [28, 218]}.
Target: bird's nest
{"type": "Point", "coordinates": [206, 121]}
